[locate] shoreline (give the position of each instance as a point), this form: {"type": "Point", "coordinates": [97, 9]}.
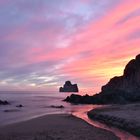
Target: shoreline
{"type": "Point", "coordinates": [54, 127]}
{"type": "Point", "coordinates": [115, 116]}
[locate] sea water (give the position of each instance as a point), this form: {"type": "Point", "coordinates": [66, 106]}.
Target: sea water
{"type": "Point", "coordinates": [36, 103]}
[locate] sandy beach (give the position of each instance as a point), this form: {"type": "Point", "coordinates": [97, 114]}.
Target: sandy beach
{"type": "Point", "coordinates": [54, 127]}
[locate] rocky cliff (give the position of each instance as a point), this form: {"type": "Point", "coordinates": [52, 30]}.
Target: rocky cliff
{"type": "Point", "coordinates": [127, 86]}
{"type": "Point", "coordinates": [122, 89]}
{"type": "Point", "coordinates": [68, 87]}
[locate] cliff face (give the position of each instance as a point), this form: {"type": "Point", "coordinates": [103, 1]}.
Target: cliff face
{"type": "Point", "coordinates": [129, 82]}
{"type": "Point", "coordinates": [122, 89]}
{"type": "Point", "coordinates": [68, 87]}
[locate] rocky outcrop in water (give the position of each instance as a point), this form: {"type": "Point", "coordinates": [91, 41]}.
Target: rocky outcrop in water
{"type": "Point", "coordinates": [4, 102]}
{"type": "Point", "coordinates": [122, 89]}
{"type": "Point", "coordinates": [68, 87]}
{"type": "Point", "coordinates": [19, 106]}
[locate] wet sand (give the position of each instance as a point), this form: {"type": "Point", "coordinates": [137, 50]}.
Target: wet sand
{"type": "Point", "coordinates": [54, 127]}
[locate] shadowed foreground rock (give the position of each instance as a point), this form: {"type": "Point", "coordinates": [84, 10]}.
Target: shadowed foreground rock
{"type": "Point", "coordinates": [68, 87]}
{"type": "Point", "coordinates": [119, 90]}
{"type": "Point", "coordinates": [125, 117]}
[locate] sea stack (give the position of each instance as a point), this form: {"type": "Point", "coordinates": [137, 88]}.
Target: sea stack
{"type": "Point", "coordinates": [69, 87]}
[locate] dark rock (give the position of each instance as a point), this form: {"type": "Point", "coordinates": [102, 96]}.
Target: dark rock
{"type": "Point", "coordinates": [74, 99]}
{"type": "Point", "coordinates": [78, 99]}
{"type": "Point", "coordinates": [54, 106]}
{"type": "Point", "coordinates": [68, 87]}
{"type": "Point", "coordinates": [11, 110]}
{"type": "Point", "coordinates": [119, 90]}
{"type": "Point", "coordinates": [19, 106]}
{"type": "Point", "coordinates": [128, 125]}
{"type": "Point", "coordinates": [4, 102]}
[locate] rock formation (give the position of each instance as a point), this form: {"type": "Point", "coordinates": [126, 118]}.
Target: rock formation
{"type": "Point", "coordinates": [122, 89]}
{"type": "Point", "coordinates": [127, 86]}
{"type": "Point", "coordinates": [19, 106]}
{"type": "Point", "coordinates": [116, 116]}
{"type": "Point", "coordinates": [68, 87]}
{"type": "Point", "coordinates": [57, 106]}
{"type": "Point", "coordinates": [3, 102]}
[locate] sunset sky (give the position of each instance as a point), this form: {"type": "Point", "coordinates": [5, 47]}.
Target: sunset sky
{"type": "Point", "coordinates": [46, 42]}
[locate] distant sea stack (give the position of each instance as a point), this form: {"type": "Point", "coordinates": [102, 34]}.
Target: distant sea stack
{"type": "Point", "coordinates": [68, 87]}
{"type": "Point", "coordinates": [121, 89]}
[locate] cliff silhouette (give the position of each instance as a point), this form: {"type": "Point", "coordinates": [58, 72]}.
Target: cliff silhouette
{"type": "Point", "coordinates": [121, 89]}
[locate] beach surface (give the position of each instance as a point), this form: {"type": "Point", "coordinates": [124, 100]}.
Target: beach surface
{"type": "Point", "coordinates": [126, 117]}
{"type": "Point", "coordinates": [54, 127]}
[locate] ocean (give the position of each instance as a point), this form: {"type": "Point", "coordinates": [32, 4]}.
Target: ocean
{"type": "Point", "coordinates": [34, 104]}
{"type": "Point", "coordinates": [37, 104]}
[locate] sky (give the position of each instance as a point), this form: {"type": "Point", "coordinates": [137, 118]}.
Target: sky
{"type": "Point", "coordinates": [44, 43]}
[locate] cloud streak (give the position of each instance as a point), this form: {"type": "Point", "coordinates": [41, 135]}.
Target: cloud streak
{"type": "Point", "coordinates": [43, 43]}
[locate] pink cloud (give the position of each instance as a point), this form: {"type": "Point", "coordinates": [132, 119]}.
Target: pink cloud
{"type": "Point", "coordinates": [109, 57]}
{"type": "Point", "coordinates": [96, 52]}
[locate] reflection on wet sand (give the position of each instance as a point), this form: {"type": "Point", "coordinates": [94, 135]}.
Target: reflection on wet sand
{"type": "Point", "coordinates": [81, 112]}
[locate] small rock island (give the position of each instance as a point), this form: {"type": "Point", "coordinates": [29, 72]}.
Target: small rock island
{"type": "Point", "coordinates": [4, 102]}
{"type": "Point", "coordinates": [69, 87]}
